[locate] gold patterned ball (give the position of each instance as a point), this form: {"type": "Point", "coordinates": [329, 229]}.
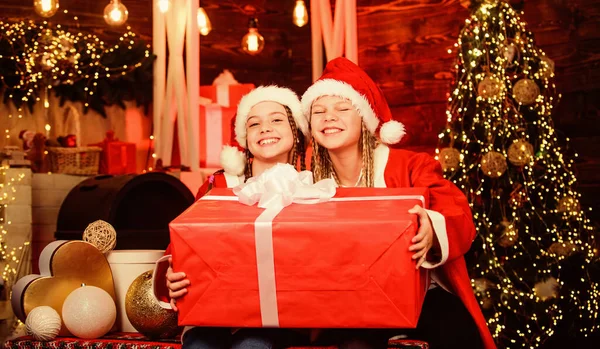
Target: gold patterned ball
{"type": "Point", "coordinates": [526, 91]}
{"type": "Point", "coordinates": [493, 164]}
{"type": "Point", "coordinates": [562, 249]}
{"type": "Point", "coordinates": [144, 312]}
{"type": "Point", "coordinates": [510, 52]}
{"type": "Point", "coordinates": [449, 158]}
{"type": "Point", "coordinates": [546, 67]}
{"type": "Point", "coordinates": [546, 289]}
{"type": "Point", "coordinates": [520, 152]}
{"type": "Point", "coordinates": [487, 303]}
{"type": "Point", "coordinates": [506, 233]}
{"type": "Point", "coordinates": [482, 284]}
{"type": "Point", "coordinates": [490, 87]}
{"type": "Point", "coordinates": [568, 204]}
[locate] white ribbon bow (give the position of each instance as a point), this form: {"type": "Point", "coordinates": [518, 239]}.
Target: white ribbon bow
{"type": "Point", "coordinates": [282, 185]}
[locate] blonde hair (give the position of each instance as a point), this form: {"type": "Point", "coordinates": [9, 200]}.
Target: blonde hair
{"type": "Point", "coordinates": [297, 155]}
{"type": "Point", "coordinates": [322, 167]}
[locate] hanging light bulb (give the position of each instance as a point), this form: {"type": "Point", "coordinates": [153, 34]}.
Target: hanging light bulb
{"type": "Point", "coordinates": [45, 8]}
{"type": "Point", "coordinates": [204, 25]}
{"type": "Point", "coordinates": [253, 43]}
{"type": "Point", "coordinates": [163, 5]}
{"type": "Point", "coordinates": [300, 14]}
{"type": "Point", "coordinates": [115, 13]}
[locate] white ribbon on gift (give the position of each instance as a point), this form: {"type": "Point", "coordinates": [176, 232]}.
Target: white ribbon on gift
{"type": "Point", "coordinates": [276, 188]}
{"type": "Point", "coordinates": [222, 82]}
{"type": "Point", "coordinates": [213, 134]}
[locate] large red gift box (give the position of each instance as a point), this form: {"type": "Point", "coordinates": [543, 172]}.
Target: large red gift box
{"type": "Point", "coordinates": [226, 95]}
{"type": "Point", "coordinates": [342, 263]}
{"type": "Point", "coordinates": [215, 131]}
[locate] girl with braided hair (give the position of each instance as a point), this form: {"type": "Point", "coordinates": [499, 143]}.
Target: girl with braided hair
{"type": "Point", "coordinates": [352, 126]}
{"type": "Point", "coordinates": [269, 128]}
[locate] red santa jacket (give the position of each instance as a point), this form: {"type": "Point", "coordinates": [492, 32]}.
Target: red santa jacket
{"type": "Point", "coordinates": [401, 168]}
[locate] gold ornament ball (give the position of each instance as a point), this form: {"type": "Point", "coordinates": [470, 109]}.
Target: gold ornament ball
{"type": "Point", "coordinates": [449, 158]}
{"type": "Point", "coordinates": [520, 152]}
{"type": "Point", "coordinates": [487, 303]}
{"type": "Point", "coordinates": [482, 284]}
{"type": "Point", "coordinates": [490, 87]}
{"type": "Point", "coordinates": [546, 289]}
{"type": "Point", "coordinates": [144, 312]}
{"type": "Point", "coordinates": [526, 91]}
{"type": "Point", "coordinates": [507, 234]}
{"type": "Point", "coordinates": [102, 235]}
{"type": "Point", "coordinates": [493, 164]}
{"type": "Point", "coordinates": [562, 249]}
{"type": "Point", "coordinates": [568, 204]}
{"type": "Point", "coordinates": [546, 67]}
{"type": "Point", "coordinates": [509, 52]}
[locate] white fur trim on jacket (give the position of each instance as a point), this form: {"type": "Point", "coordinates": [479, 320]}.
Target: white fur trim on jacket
{"type": "Point", "coordinates": [331, 87]}
{"type": "Point", "coordinates": [281, 95]}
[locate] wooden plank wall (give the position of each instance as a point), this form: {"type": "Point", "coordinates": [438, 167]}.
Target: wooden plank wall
{"type": "Point", "coordinates": [403, 45]}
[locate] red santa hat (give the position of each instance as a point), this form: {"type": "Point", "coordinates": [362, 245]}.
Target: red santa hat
{"type": "Point", "coordinates": [233, 158]}
{"type": "Point", "coordinates": [345, 79]}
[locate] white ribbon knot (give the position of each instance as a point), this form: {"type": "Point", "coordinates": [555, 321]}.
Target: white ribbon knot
{"type": "Point", "coordinates": [282, 185]}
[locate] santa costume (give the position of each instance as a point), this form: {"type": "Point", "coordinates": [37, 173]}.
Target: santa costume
{"type": "Point", "coordinates": [396, 168]}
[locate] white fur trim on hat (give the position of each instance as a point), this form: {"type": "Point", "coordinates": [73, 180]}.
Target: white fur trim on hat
{"type": "Point", "coordinates": [281, 95]}
{"type": "Point", "coordinates": [391, 132]}
{"type": "Point", "coordinates": [331, 87]}
{"type": "Point", "coordinates": [233, 161]}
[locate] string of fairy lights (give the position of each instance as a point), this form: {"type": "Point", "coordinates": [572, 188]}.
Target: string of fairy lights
{"type": "Point", "coordinates": [528, 217]}
{"type": "Point", "coordinates": [9, 255]}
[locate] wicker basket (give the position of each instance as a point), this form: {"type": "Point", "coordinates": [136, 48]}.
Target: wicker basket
{"type": "Point", "coordinates": [74, 161]}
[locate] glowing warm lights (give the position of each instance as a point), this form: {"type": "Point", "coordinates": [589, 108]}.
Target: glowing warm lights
{"type": "Point", "coordinates": [300, 14]}
{"type": "Point", "coordinates": [46, 8]}
{"type": "Point", "coordinates": [528, 218]}
{"type": "Point", "coordinates": [204, 25]}
{"type": "Point", "coordinates": [115, 13]}
{"type": "Point", "coordinates": [253, 43]}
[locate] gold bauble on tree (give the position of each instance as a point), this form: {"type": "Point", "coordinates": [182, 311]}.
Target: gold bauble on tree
{"type": "Point", "coordinates": [546, 289]}
{"type": "Point", "coordinates": [493, 164]}
{"type": "Point", "coordinates": [490, 87]}
{"type": "Point", "coordinates": [449, 158]}
{"type": "Point", "coordinates": [520, 152]}
{"type": "Point", "coordinates": [526, 91]}
{"type": "Point", "coordinates": [145, 313]}
{"type": "Point", "coordinates": [568, 204]}
{"type": "Point", "coordinates": [562, 249]}
{"type": "Point", "coordinates": [546, 67]}
{"type": "Point", "coordinates": [506, 234]}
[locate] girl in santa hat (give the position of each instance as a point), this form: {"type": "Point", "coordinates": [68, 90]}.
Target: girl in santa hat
{"type": "Point", "coordinates": [351, 125]}
{"type": "Point", "coordinates": [269, 128]}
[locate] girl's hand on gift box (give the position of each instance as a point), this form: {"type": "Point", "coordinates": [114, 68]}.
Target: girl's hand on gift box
{"type": "Point", "coordinates": [424, 240]}
{"type": "Point", "coordinates": [176, 283]}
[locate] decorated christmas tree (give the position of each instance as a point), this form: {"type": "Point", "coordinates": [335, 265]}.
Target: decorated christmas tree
{"type": "Point", "coordinates": [532, 260]}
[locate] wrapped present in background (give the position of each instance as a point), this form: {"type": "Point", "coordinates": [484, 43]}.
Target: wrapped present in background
{"type": "Point", "coordinates": [344, 267]}
{"type": "Point", "coordinates": [225, 90]}
{"type": "Point", "coordinates": [117, 157]}
{"type": "Point", "coordinates": [215, 131]}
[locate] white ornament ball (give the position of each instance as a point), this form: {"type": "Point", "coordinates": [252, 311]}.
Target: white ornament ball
{"type": "Point", "coordinates": [43, 323]}
{"type": "Point", "coordinates": [526, 91]}
{"type": "Point", "coordinates": [89, 312]}
{"type": "Point", "coordinates": [546, 289]}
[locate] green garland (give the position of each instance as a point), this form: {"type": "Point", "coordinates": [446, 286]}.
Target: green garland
{"type": "Point", "coordinates": [40, 57]}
